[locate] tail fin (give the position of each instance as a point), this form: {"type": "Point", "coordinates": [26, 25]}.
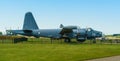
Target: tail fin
{"type": "Point", "coordinates": [61, 26]}
{"type": "Point", "coordinates": [29, 22]}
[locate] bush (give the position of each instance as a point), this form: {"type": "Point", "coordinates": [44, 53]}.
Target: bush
{"type": "Point", "coordinates": [13, 39]}
{"type": "Point", "coordinates": [0, 33]}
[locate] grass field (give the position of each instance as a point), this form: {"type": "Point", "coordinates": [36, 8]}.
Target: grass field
{"type": "Point", "coordinates": [28, 51]}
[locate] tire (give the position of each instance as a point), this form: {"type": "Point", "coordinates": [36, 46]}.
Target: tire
{"type": "Point", "coordinates": [81, 41]}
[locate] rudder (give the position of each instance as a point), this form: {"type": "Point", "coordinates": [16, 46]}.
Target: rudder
{"type": "Point", "coordinates": [29, 22]}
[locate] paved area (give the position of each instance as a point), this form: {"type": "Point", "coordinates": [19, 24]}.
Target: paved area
{"type": "Point", "coordinates": [114, 58]}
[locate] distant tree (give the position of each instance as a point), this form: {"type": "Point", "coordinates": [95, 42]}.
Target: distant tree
{"type": "Point", "coordinates": [0, 33]}
{"type": "Point", "coordinates": [116, 34]}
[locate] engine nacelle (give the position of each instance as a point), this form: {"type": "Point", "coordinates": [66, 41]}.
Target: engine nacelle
{"type": "Point", "coordinates": [70, 27]}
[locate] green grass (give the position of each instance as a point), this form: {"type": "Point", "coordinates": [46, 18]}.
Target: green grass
{"type": "Point", "coordinates": [43, 50]}
{"type": "Point", "coordinates": [56, 52]}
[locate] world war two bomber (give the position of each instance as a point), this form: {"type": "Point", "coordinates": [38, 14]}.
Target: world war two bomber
{"type": "Point", "coordinates": [30, 28]}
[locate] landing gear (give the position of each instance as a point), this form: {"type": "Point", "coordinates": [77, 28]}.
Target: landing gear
{"type": "Point", "coordinates": [67, 40]}
{"type": "Point", "coordinates": [94, 40]}
{"type": "Point", "coordinates": [81, 39]}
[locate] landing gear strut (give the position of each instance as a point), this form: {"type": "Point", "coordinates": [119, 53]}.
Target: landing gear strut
{"type": "Point", "coordinates": [94, 40]}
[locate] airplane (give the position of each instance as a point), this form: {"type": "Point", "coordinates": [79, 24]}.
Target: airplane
{"type": "Point", "coordinates": [30, 28]}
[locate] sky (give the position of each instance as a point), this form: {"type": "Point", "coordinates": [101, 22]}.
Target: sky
{"type": "Point", "coordinates": [101, 15]}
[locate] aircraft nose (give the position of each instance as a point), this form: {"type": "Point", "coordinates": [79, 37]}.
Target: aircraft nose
{"type": "Point", "coordinates": [100, 34]}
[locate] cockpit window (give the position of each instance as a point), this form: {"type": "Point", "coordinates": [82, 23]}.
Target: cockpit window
{"type": "Point", "coordinates": [89, 29]}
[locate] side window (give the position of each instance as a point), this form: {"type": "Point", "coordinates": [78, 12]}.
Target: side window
{"type": "Point", "coordinates": [38, 32]}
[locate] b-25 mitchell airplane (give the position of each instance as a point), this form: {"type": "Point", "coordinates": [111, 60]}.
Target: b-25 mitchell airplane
{"type": "Point", "coordinates": [30, 28]}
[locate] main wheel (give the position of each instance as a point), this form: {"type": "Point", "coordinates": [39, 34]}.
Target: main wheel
{"type": "Point", "coordinates": [81, 41]}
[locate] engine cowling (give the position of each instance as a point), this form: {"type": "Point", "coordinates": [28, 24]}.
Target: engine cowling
{"type": "Point", "coordinates": [70, 27]}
